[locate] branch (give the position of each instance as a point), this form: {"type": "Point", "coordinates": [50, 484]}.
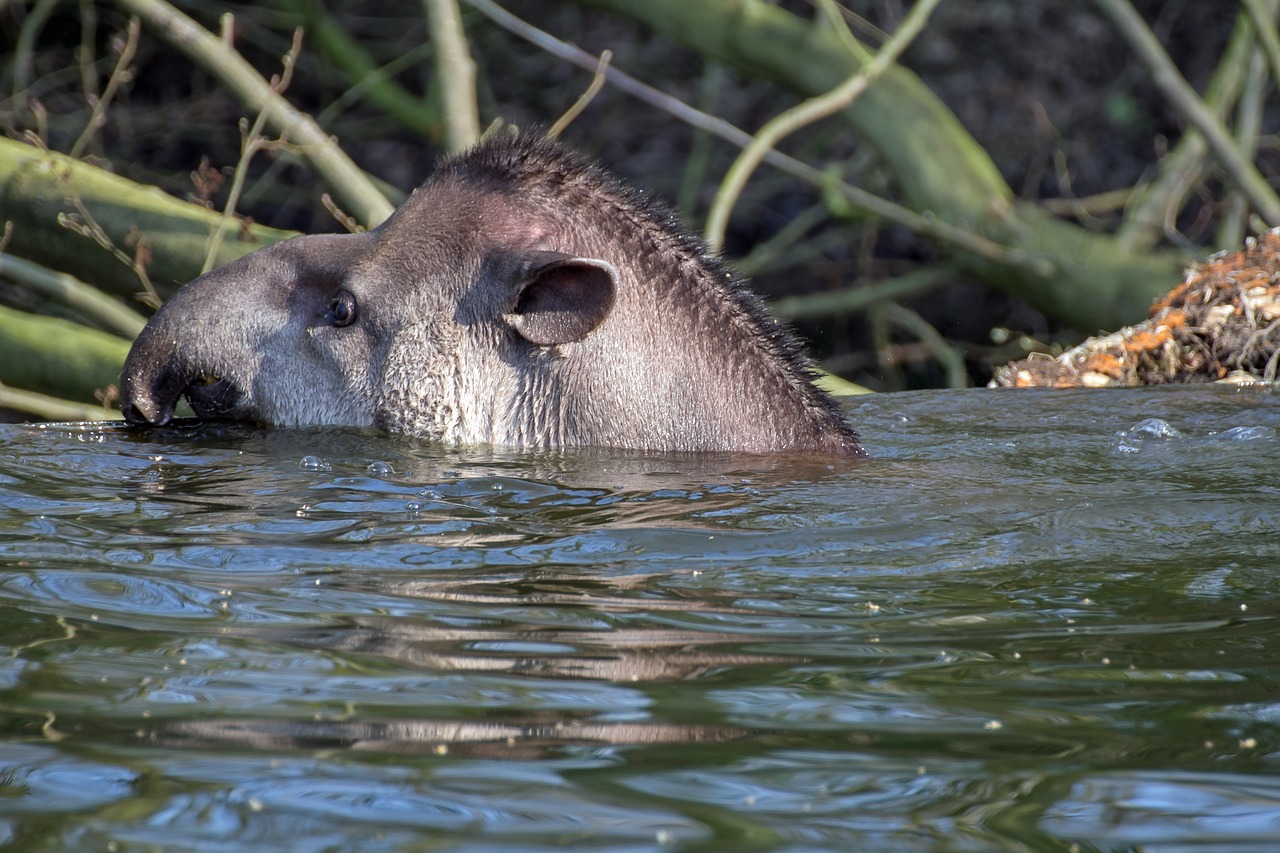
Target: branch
{"type": "Point", "coordinates": [74, 293]}
{"type": "Point", "coordinates": [35, 185]}
{"type": "Point", "coordinates": [349, 184]}
{"type": "Point", "coordinates": [928, 225]}
{"type": "Point", "coordinates": [952, 189]}
{"type": "Point", "coordinates": [47, 408]}
{"type": "Point", "coordinates": [854, 299]}
{"type": "Point", "coordinates": [812, 110]}
{"type": "Point", "coordinates": [371, 81]}
{"type": "Point", "coordinates": [1178, 92]}
{"type": "Point", "coordinates": [456, 74]}
{"type": "Point", "coordinates": [1157, 203]}
{"type": "Point", "coordinates": [1265, 24]}
{"type": "Point", "coordinates": [122, 74]}
{"type": "Point", "coordinates": [58, 357]}
{"type": "Point", "coordinates": [251, 142]}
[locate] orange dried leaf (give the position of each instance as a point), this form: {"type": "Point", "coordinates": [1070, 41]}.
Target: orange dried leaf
{"type": "Point", "coordinates": [1143, 341]}
{"type": "Point", "coordinates": [1106, 364]}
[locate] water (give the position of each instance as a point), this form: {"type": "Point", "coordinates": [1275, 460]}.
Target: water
{"type": "Point", "coordinates": [1034, 621]}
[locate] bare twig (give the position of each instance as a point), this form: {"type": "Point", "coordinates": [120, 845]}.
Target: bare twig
{"type": "Point", "coordinates": [456, 74]}
{"type": "Point", "coordinates": [340, 216]}
{"type": "Point", "coordinates": [251, 142]}
{"type": "Point", "coordinates": [1179, 93]}
{"type": "Point", "coordinates": [120, 75]}
{"type": "Point", "coordinates": [805, 113]}
{"type": "Point", "coordinates": [929, 226]}
{"type": "Point", "coordinates": [82, 222]}
{"type": "Point", "coordinates": [597, 83]}
{"type": "Point", "coordinates": [333, 165]}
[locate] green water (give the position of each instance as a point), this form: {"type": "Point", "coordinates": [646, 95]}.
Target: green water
{"type": "Point", "coordinates": [1032, 621]}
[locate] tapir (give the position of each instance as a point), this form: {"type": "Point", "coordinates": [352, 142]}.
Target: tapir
{"type": "Point", "coordinates": [523, 296]}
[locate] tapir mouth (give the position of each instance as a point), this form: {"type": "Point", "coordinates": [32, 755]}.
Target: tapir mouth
{"type": "Point", "coordinates": [211, 397]}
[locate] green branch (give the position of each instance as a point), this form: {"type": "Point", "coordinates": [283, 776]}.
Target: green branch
{"type": "Point", "coordinates": [36, 188]}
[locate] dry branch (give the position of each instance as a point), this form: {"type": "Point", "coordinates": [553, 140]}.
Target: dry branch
{"type": "Point", "coordinates": [347, 182]}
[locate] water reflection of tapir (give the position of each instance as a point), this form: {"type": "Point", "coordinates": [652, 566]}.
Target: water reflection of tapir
{"type": "Point", "coordinates": [521, 297]}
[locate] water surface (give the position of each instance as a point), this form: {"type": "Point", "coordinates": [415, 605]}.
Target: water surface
{"type": "Point", "coordinates": [1033, 620]}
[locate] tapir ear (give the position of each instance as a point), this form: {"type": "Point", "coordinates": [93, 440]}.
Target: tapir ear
{"type": "Point", "coordinates": [563, 298]}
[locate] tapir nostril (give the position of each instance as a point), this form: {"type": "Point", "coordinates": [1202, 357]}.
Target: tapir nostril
{"type": "Point", "coordinates": [145, 412]}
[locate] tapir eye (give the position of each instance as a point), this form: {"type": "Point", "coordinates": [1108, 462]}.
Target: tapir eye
{"type": "Point", "coordinates": [342, 310]}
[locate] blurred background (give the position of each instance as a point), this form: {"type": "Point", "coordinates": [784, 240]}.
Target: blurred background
{"type": "Point", "coordinates": [1032, 125]}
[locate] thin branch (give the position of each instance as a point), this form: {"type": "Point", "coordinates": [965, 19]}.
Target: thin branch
{"type": "Point", "coordinates": [1157, 203]}
{"type": "Point", "coordinates": [950, 359]}
{"type": "Point", "coordinates": [24, 51]}
{"type": "Point", "coordinates": [1264, 23]}
{"type": "Point", "coordinates": [806, 113]}
{"type": "Point", "coordinates": [369, 81]}
{"type": "Point", "coordinates": [853, 299]}
{"type": "Point", "coordinates": [597, 83]}
{"type": "Point", "coordinates": [1235, 213]}
{"type": "Point", "coordinates": [456, 74]}
{"type": "Point", "coordinates": [870, 203]}
{"type": "Point", "coordinates": [337, 170]}
{"type": "Point", "coordinates": [251, 143]}
{"type": "Point", "coordinates": [120, 75]}
{"type": "Point", "coordinates": [1178, 92]}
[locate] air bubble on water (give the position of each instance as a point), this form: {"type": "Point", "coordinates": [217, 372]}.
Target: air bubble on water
{"type": "Point", "coordinates": [380, 469]}
{"type": "Point", "coordinates": [313, 463]}
{"type": "Point", "coordinates": [415, 506]}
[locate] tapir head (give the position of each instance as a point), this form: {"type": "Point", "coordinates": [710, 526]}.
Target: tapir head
{"type": "Point", "coordinates": [305, 332]}
{"type": "Point", "coordinates": [520, 297]}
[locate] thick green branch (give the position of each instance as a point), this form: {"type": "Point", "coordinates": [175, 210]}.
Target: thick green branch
{"type": "Point", "coordinates": [456, 73]}
{"type": "Point", "coordinates": [36, 188]}
{"type": "Point", "coordinates": [57, 357]}
{"type": "Point", "coordinates": [90, 302]}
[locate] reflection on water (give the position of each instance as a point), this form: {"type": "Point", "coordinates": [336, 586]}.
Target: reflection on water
{"type": "Point", "coordinates": [1031, 620]}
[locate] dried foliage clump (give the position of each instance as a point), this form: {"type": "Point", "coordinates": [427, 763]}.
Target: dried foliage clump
{"type": "Point", "coordinates": [1221, 324]}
